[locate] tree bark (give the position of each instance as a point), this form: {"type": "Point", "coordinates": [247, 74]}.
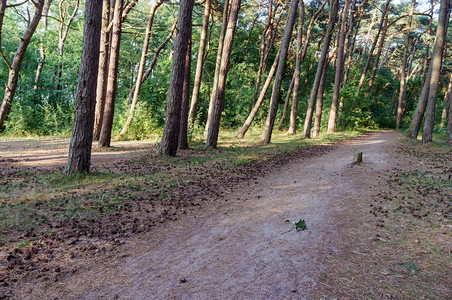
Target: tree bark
{"type": "Point", "coordinates": [199, 64]}
{"type": "Point", "coordinates": [380, 49]}
{"type": "Point", "coordinates": [318, 75]}
{"type": "Point", "coordinates": [62, 34]}
{"type": "Point", "coordinates": [267, 41]}
{"type": "Point", "coordinates": [449, 125]}
{"type": "Point", "coordinates": [141, 66]}
{"type": "Point", "coordinates": [447, 98]}
{"type": "Point", "coordinates": [274, 101]}
{"type": "Point", "coordinates": [14, 68]}
{"type": "Point", "coordinates": [402, 89]}
{"type": "Point", "coordinates": [319, 103]}
{"type": "Point", "coordinates": [183, 132]}
{"type": "Point", "coordinates": [42, 52]}
{"type": "Point", "coordinates": [168, 145]}
{"type": "Point", "coordinates": [153, 62]}
{"type": "Point", "coordinates": [217, 64]}
{"type": "Point", "coordinates": [286, 103]}
{"type": "Point", "coordinates": [260, 99]}
{"type": "Point", "coordinates": [427, 48]}
{"type": "Point", "coordinates": [109, 110]}
{"type": "Point", "coordinates": [437, 57]}
{"type": "Point", "coordinates": [300, 57]}
{"type": "Point", "coordinates": [214, 126]}
{"type": "Point", "coordinates": [339, 71]}
{"type": "Point", "coordinates": [82, 132]}
{"type": "Point", "coordinates": [351, 49]}
{"type": "Point", "coordinates": [102, 76]}
{"type": "Point", "coordinates": [374, 44]}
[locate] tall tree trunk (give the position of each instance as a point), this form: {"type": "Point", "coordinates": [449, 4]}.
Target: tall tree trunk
{"type": "Point", "coordinates": [79, 157]}
{"type": "Point", "coordinates": [183, 131]}
{"type": "Point", "coordinates": [102, 76]}
{"type": "Point", "coordinates": [217, 64]}
{"type": "Point", "coordinates": [199, 64]}
{"type": "Point", "coordinates": [14, 68]}
{"type": "Point", "coordinates": [260, 99]}
{"type": "Point", "coordinates": [402, 90]}
{"type": "Point", "coordinates": [63, 31]}
{"type": "Point", "coordinates": [393, 102]}
{"type": "Point", "coordinates": [300, 57]}
{"type": "Point", "coordinates": [319, 103]}
{"type": "Point", "coordinates": [339, 71]}
{"type": "Point", "coordinates": [170, 138]}
{"type": "Point", "coordinates": [427, 48]}
{"type": "Point", "coordinates": [141, 66]}
{"type": "Point", "coordinates": [311, 66]}
{"type": "Point", "coordinates": [42, 52]}
{"type": "Point", "coordinates": [449, 125]}
{"type": "Point", "coordinates": [274, 101]}
{"type": "Point", "coordinates": [109, 110]}
{"type": "Point", "coordinates": [351, 49]}
{"type": "Point", "coordinates": [218, 104]}
{"type": "Point", "coordinates": [374, 44]}
{"type": "Point", "coordinates": [153, 62]}
{"type": "Point", "coordinates": [318, 75]}
{"type": "Point", "coordinates": [380, 49]}
{"type": "Point", "coordinates": [286, 103]}
{"type": "Point", "coordinates": [437, 57]}
{"type": "Point", "coordinates": [447, 99]}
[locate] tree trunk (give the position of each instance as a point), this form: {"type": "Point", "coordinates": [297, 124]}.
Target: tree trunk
{"type": "Point", "coordinates": [217, 64]}
{"type": "Point", "coordinates": [82, 132]}
{"type": "Point", "coordinates": [274, 101]}
{"type": "Point", "coordinates": [449, 126]}
{"type": "Point", "coordinates": [14, 68]}
{"type": "Point", "coordinates": [319, 103]}
{"type": "Point", "coordinates": [339, 71]}
{"type": "Point", "coordinates": [199, 64]}
{"type": "Point", "coordinates": [447, 98]}
{"type": "Point", "coordinates": [286, 103]}
{"type": "Point", "coordinates": [380, 49]}
{"type": "Point", "coordinates": [437, 57]}
{"type": "Point", "coordinates": [109, 110]}
{"type": "Point", "coordinates": [62, 35]}
{"type": "Point", "coordinates": [267, 41]}
{"type": "Point", "coordinates": [259, 101]}
{"type": "Point", "coordinates": [374, 44]}
{"type": "Point", "coordinates": [42, 52]}
{"type": "Point", "coordinates": [214, 126]}
{"type": "Point", "coordinates": [393, 102]}
{"type": "Point", "coordinates": [318, 75]}
{"type": "Point", "coordinates": [300, 58]}
{"type": "Point", "coordinates": [102, 76]}
{"type": "Point", "coordinates": [141, 66]}
{"type": "Point", "coordinates": [402, 89]}
{"type": "Point", "coordinates": [351, 49]}
{"type": "Point", "coordinates": [153, 62]}
{"type": "Point", "coordinates": [170, 138]}
{"type": "Point", "coordinates": [183, 131]}
{"type": "Point", "coordinates": [427, 48]}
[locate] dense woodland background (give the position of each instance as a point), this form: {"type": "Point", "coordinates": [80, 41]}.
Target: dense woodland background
{"type": "Point", "coordinates": [384, 35]}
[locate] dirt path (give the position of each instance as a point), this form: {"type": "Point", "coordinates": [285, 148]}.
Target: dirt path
{"type": "Point", "coordinates": [237, 250]}
{"type": "Point", "coordinates": [51, 153]}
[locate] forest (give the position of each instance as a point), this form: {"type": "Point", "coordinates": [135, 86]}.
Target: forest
{"type": "Point", "coordinates": [228, 118]}
{"type": "Point", "coordinates": [314, 67]}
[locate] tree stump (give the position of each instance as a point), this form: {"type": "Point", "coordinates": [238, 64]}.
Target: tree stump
{"type": "Point", "coordinates": [358, 158]}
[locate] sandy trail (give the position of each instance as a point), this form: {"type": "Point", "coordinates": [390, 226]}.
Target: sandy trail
{"type": "Point", "coordinates": [237, 249]}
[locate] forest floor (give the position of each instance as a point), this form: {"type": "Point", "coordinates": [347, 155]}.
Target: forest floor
{"type": "Point", "coordinates": [143, 227]}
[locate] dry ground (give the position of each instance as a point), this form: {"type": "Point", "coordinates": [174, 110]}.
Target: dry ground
{"type": "Point", "coordinates": [380, 229]}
